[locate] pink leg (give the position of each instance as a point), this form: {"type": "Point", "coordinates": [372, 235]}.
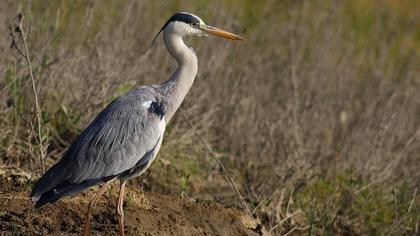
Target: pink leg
{"type": "Point", "coordinates": [92, 205]}
{"type": "Point", "coordinates": [120, 210]}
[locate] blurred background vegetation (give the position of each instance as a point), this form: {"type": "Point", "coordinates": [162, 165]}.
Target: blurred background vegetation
{"type": "Point", "coordinates": [316, 114]}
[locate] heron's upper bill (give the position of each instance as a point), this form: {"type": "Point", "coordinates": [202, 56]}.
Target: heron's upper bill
{"type": "Point", "coordinates": [220, 32]}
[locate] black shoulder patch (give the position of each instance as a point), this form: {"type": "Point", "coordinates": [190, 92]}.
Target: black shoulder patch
{"type": "Point", "coordinates": [157, 109]}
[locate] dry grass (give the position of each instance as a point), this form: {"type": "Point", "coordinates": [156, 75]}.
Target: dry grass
{"type": "Point", "coordinates": [317, 111]}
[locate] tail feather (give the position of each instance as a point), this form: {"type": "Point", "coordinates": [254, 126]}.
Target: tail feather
{"type": "Point", "coordinates": [57, 183]}
{"type": "Point", "coordinates": [62, 190]}
{"type": "Point", "coordinates": [52, 178]}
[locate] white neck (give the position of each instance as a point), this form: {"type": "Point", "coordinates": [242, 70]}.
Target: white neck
{"type": "Point", "coordinates": [176, 88]}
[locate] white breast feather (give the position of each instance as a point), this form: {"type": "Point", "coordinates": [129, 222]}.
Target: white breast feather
{"type": "Point", "coordinates": [146, 104]}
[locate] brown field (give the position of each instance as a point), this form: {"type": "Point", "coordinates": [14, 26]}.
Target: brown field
{"type": "Point", "coordinates": [316, 115]}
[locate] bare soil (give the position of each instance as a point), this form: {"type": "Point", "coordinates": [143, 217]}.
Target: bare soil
{"type": "Point", "coordinates": [145, 213]}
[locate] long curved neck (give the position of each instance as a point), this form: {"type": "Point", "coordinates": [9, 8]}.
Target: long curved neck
{"type": "Point", "coordinates": [176, 88]}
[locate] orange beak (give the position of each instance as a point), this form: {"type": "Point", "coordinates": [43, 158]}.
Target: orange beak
{"type": "Point", "coordinates": [220, 32]}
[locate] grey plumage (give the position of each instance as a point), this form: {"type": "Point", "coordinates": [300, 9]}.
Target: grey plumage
{"type": "Point", "coordinates": [122, 137]}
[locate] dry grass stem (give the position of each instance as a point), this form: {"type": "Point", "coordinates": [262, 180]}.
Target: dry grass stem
{"type": "Point", "coordinates": [18, 28]}
{"type": "Point", "coordinates": [228, 178]}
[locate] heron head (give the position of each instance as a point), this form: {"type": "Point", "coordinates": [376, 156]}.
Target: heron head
{"type": "Point", "coordinates": [187, 24]}
{"type": "Point", "coordinates": [184, 24]}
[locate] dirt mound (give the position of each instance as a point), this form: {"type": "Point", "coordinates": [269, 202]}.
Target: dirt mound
{"type": "Point", "coordinates": [145, 213]}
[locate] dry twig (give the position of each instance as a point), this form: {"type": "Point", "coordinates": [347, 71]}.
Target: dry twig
{"type": "Point", "coordinates": [225, 172]}
{"type": "Point", "coordinates": [19, 29]}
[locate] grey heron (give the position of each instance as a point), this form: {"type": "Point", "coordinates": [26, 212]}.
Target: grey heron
{"type": "Point", "coordinates": [124, 138]}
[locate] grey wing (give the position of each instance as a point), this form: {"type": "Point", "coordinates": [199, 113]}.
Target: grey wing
{"type": "Point", "coordinates": [120, 136]}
